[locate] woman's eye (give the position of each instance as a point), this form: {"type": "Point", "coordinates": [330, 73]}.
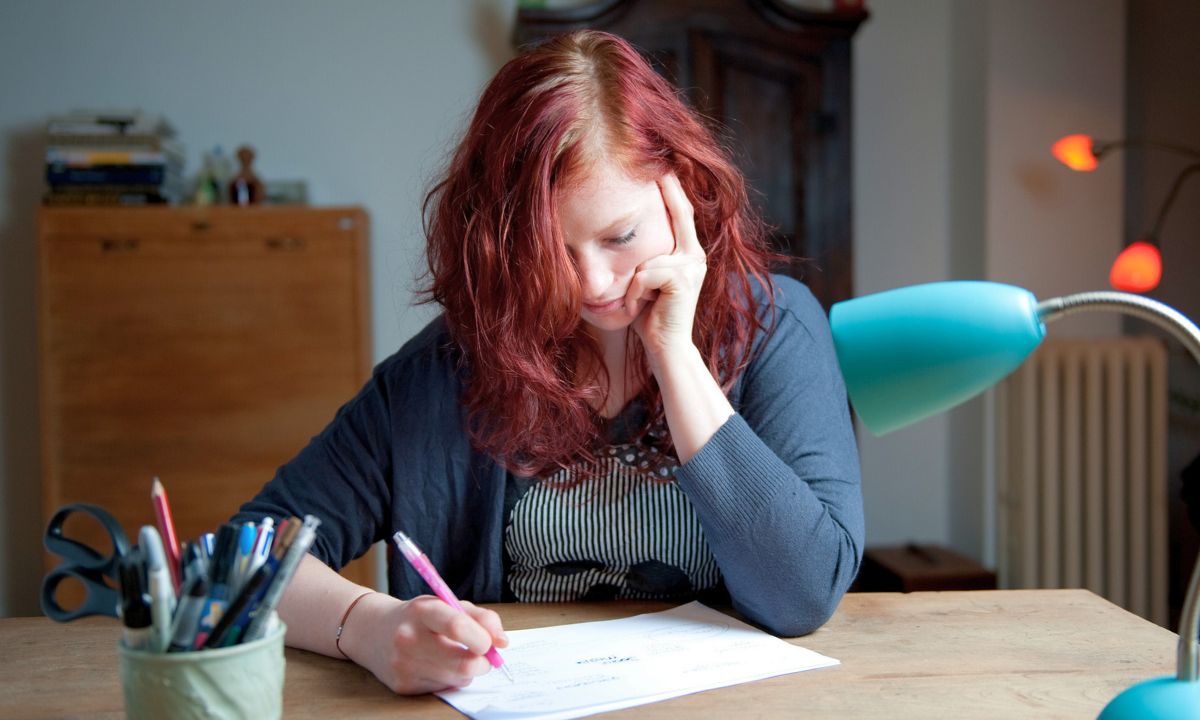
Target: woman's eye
{"type": "Point", "coordinates": [624, 239]}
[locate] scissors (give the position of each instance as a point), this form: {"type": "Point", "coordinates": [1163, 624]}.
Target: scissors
{"type": "Point", "coordinates": [83, 564]}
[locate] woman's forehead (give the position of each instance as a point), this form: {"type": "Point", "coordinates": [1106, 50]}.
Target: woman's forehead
{"type": "Point", "coordinates": [603, 197]}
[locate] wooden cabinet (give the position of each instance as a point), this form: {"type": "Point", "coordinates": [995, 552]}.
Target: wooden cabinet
{"type": "Point", "coordinates": [204, 346]}
{"type": "Point", "coordinates": [776, 78]}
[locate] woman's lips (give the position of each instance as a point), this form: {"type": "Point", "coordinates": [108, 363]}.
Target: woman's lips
{"type": "Point", "coordinates": [605, 307]}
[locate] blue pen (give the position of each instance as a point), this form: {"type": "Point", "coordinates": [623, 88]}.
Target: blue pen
{"type": "Point", "coordinates": [287, 566]}
{"type": "Point", "coordinates": [267, 571]}
{"type": "Point", "coordinates": [245, 554]}
{"type": "Point", "coordinates": [275, 555]}
{"type": "Point", "coordinates": [229, 630]}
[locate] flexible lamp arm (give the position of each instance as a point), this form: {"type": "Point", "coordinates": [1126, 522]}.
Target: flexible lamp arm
{"type": "Point", "coordinates": [1164, 316]}
{"type": "Point", "coordinates": [1187, 333]}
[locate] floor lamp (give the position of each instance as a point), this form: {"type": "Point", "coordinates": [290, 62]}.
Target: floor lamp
{"type": "Point", "coordinates": [1138, 267]}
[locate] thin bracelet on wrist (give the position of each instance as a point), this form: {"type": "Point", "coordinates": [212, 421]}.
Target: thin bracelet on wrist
{"type": "Point", "coordinates": [337, 638]}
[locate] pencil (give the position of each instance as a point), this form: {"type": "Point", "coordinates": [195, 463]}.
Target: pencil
{"type": "Point", "coordinates": [166, 528]}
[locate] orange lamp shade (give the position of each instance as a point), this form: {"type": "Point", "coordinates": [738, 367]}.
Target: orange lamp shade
{"type": "Point", "coordinates": [1075, 151]}
{"type": "Point", "coordinates": [1137, 269]}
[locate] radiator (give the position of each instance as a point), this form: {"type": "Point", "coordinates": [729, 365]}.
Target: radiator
{"type": "Point", "coordinates": [1081, 474]}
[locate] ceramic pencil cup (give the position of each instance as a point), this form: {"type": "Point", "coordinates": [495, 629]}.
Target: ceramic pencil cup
{"type": "Point", "coordinates": [241, 681]}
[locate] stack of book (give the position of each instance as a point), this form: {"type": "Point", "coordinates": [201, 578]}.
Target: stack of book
{"type": "Point", "coordinates": [112, 158]}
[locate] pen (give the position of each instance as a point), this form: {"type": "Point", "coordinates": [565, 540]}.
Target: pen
{"type": "Point", "coordinates": [193, 564]}
{"type": "Point", "coordinates": [240, 572]}
{"type": "Point", "coordinates": [206, 544]}
{"type": "Point", "coordinates": [162, 589]}
{"type": "Point", "coordinates": [304, 537]}
{"type": "Point", "coordinates": [262, 544]}
{"type": "Point", "coordinates": [422, 565]}
{"type": "Point", "coordinates": [166, 528]}
{"type": "Point", "coordinates": [270, 565]}
{"type": "Point", "coordinates": [187, 614]}
{"type": "Point", "coordinates": [228, 630]}
{"type": "Point", "coordinates": [219, 570]}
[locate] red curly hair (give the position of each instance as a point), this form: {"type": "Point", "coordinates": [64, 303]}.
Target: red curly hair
{"type": "Point", "coordinates": [499, 267]}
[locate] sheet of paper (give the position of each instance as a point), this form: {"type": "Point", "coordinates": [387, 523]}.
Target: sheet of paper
{"type": "Point", "coordinates": [570, 671]}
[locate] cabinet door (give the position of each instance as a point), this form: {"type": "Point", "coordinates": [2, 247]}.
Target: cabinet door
{"type": "Point", "coordinates": [204, 350]}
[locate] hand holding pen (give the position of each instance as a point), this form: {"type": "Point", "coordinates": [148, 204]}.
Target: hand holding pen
{"type": "Point", "coordinates": [425, 568]}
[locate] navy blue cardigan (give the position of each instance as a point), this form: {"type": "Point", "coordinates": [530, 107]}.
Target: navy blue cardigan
{"type": "Point", "coordinates": [776, 490]}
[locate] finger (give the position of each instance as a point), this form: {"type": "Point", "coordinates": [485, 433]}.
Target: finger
{"type": "Point", "coordinates": [490, 622]}
{"type": "Point", "coordinates": [456, 626]}
{"type": "Point", "coordinates": [648, 284]}
{"type": "Point", "coordinates": [683, 216]}
{"type": "Point", "coordinates": [427, 662]}
{"type": "Point", "coordinates": [464, 664]}
{"type": "Point", "coordinates": [671, 261]}
{"type": "Point", "coordinates": [453, 668]}
{"type": "Point", "coordinates": [673, 274]}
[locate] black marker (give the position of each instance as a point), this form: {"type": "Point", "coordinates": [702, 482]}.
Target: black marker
{"type": "Point", "coordinates": [135, 603]}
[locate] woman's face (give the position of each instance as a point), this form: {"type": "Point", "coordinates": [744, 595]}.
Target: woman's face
{"type": "Point", "coordinates": [611, 224]}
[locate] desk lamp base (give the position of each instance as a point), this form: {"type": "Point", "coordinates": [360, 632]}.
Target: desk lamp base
{"type": "Point", "coordinates": [1161, 698]}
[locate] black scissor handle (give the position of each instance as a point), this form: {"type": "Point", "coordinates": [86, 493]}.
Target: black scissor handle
{"type": "Point", "coordinates": [84, 564]}
{"type": "Point", "coordinates": [99, 598]}
{"type": "Point", "coordinates": [77, 553]}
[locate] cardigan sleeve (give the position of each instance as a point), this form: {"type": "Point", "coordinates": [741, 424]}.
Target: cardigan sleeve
{"type": "Point", "coordinates": [777, 489]}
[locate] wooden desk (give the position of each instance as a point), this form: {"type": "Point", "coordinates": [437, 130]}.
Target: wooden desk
{"type": "Point", "coordinates": [993, 654]}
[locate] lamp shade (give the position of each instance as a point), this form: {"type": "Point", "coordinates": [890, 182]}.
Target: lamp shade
{"type": "Point", "coordinates": [915, 351]}
{"type": "Point", "coordinates": [1137, 269]}
{"type": "Point", "coordinates": [1075, 151]}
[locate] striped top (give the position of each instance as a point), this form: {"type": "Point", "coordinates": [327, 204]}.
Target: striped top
{"type": "Point", "coordinates": [627, 533]}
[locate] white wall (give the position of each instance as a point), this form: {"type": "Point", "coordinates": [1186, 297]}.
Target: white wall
{"type": "Point", "coordinates": [362, 98]}
{"type": "Point", "coordinates": [956, 106]}
{"type": "Point", "coordinates": [1054, 68]}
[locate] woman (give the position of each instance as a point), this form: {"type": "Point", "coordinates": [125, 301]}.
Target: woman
{"type": "Point", "coordinates": [618, 400]}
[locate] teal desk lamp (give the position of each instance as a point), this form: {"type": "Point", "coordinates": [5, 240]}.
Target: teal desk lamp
{"type": "Point", "coordinates": [916, 351]}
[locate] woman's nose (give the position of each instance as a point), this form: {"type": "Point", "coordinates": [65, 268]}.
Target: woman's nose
{"type": "Point", "coordinates": [596, 277]}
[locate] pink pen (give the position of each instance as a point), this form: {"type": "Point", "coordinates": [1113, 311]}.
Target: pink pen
{"type": "Point", "coordinates": [421, 564]}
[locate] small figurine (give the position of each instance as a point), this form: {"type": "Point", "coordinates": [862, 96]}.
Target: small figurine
{"type": "Point", "coordinates": [245, 188]}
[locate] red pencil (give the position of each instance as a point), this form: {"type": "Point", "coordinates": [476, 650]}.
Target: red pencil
{"type": "Point", "coordinates": [166, 527]}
